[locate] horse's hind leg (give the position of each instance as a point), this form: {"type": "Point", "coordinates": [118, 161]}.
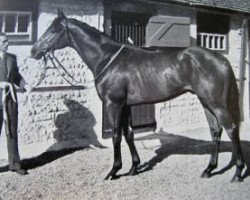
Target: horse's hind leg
{"type": "Point", "coordinates": [129, 137]}
{"type": "Point", "coordinates": [215, 130]}
{"type": "Point", "coordinates": [232, 128]}
{"type": "Point", "coordinates": [114, 113]}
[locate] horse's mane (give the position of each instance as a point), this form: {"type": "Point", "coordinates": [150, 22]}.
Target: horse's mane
{"type": "Point", "coordinates": [84, 25]}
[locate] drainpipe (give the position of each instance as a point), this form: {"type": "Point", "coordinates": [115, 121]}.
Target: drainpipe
{"type": "Point", "coordinates": [242, 66]}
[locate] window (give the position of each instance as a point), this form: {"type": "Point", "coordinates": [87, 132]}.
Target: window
{"type": "Point", "coordinates": [212, 31]}
{"type": "Point", "coordinates": [212, 41]}
{"type": "Point", "coordinates": [17, 25]}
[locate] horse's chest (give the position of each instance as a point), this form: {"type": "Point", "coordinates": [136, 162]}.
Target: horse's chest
{"type": "Point", "coordinates": [112, 89]}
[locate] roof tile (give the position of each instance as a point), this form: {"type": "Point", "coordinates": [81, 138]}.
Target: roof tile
{"type": "Point", "coordinates": [234, 5]}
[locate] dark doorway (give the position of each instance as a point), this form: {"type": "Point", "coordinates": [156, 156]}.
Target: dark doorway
{"type": "Point", "coordinates": [129, 25]}
{"type": "Point", "coordinates": [126, 28]}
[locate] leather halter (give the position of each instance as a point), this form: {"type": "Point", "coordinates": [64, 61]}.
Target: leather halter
{"type": "Point", "coordinates": [52, 58]}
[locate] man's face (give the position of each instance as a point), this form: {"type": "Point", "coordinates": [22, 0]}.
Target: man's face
{"type": "Point", "coordinates": [4, 43]}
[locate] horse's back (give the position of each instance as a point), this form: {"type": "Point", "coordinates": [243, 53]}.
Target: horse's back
{"type": "Point", "coordinates": [153, 76]}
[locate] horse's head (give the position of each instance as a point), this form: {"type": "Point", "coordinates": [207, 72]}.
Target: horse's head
{"type": "Point", "coordinates": [54, 38]}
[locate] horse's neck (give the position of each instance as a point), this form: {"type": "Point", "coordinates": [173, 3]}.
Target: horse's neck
{"type": "Point", "coordinates": [94, 52]}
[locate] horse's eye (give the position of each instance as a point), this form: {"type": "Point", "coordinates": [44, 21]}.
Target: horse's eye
{"type": "Point", "coordinates": [57, 29]}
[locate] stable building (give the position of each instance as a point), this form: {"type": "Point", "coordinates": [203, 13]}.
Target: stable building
{"type": "Point", "coordinates": [59, 115]}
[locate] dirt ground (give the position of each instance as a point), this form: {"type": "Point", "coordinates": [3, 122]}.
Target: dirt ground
{"type": "Point", "coordinates": [170, 169]}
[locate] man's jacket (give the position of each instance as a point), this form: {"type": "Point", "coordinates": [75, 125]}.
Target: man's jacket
{"type": "Point", "coordinates": [13, 75]}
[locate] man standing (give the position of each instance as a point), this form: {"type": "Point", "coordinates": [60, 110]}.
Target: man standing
{"type": "Point", "coordinates": [9, 77]}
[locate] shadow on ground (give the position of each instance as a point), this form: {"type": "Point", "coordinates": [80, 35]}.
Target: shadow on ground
{"type": "Point", "coordinates": [170, 145]}
{"type": "Point", "coordinates": [175, 144]}
{"type": "Point", "coordinates": [43, 159]}
{"type": "Point", "coordinates": [74, 129]}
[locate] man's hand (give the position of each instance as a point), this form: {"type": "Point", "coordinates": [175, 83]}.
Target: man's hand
{"type": "Point", "coordinates": [4, 84]}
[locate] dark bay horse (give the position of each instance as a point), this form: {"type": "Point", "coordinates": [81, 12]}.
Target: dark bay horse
{"type": "Point", "coordinates": [126, 75]}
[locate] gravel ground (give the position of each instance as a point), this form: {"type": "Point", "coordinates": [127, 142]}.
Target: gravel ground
{"type": "Point", "coordinates": [169, 171]}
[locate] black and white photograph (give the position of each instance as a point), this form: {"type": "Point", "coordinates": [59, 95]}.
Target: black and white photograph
{"type": "Point", "coordinates": [124, 99]}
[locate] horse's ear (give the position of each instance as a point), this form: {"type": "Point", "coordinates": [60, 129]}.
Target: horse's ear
{"type": "Point", "coordinates": [61, 14]}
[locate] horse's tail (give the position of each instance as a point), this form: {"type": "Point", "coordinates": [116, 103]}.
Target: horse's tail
{"type": "Point", "coordinates": [233, 100]}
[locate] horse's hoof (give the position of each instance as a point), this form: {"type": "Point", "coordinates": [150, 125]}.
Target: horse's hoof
{"type": "Point", "coordinates": [205, 175]}
{"type": "Point", "coordinates": [133, 173]}
{"type": "Point", "coordinates": [107, 177]}
{"type": "Point", "coordinates": [111, 177]}
{"type": "Point", "coordinates": [237, 179]}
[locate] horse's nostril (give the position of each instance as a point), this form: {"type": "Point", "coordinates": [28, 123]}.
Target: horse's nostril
{"type": "Point", "coordinates": [35, 54]}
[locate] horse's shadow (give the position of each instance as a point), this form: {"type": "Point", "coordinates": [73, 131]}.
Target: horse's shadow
{"type": "Point", "coordinates": [175, 144]}
{"type": "Point", "coordinates": [75, 126]}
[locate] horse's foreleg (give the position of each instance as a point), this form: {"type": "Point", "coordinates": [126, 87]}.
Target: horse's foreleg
{"type": "Point", "coordinates": [114, 113]}
{"type": "Point", "coordinates": [129, 137]}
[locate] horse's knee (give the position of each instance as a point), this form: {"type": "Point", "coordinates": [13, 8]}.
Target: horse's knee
{"type": "Point", "coordinates": [116, 138]}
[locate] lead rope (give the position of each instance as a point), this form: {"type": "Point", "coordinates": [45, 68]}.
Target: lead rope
{"type": "Point", "coordinates": [86, 84]}
{"type": "Point", "coordinates": [52, 61]}
{"type": "Point", "coordinates": [10, 87]}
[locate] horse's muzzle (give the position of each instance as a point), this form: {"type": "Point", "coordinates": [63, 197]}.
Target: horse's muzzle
{"type": "Point", "coordinates": [34, 53]}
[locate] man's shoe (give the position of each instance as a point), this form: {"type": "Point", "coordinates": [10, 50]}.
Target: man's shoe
{"type": "Point", "coordinates": [20, 171]}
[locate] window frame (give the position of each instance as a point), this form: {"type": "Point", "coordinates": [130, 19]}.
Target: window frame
{"type": "Point", "coordinates": [212, 41]}
{"type": "Point", "coordinates": [210, 35]}
{"type": "Point", "coordinates": [16, 34]}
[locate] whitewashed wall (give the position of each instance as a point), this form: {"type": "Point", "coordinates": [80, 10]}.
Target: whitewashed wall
{"type": "Point", "coordinates": [186, 112]}
{"type": "Point", "coordinates": [54, 119]}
